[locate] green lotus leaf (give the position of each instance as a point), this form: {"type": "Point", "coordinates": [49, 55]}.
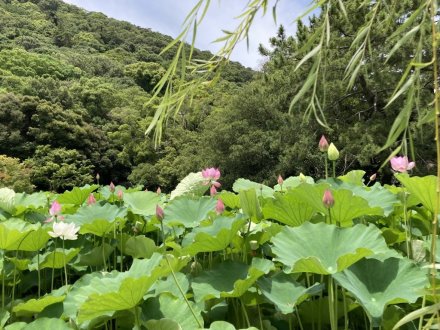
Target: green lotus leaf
{"type": "Point", "coordinates": [169, 285]}
{"type": "Point", "coordinates": [21, 264]}
{"type": "Point", "coordinates": [423, 188]}
{"type": "Point", "coordinates": [193, 183]}
{"type": "Point", "coordinates": [24, 202]}
{"type": "Point", "coordinates": [97, 219]}
{"type": "Point", "coordinates": [292, 182]}
{"type": "Point", "coordinates": [229, 199]}
{"type": "Point", "coordinates": [16, 234]}
{"type": "Point", "coordinates": [4, 317]}
{"type": "Point", "coordinates": [142, 202]}
{"type": "Point", "coordinates": [284, 292]}
{"type": "Point", "coordinates": [215, 237]}
{"type": "Point", "coordinates": [376, 284]}
{"type": "Point", "coordinates": [162, 324]}
{"type": "Point", "coordinates": [76, 196]}
{"type": "Point", "coordinates": [7, 200]}
{"type": "Point", "coordinates": [222, 325]}
{"type": "Point", "coordinates": [34, 306]}
{"type": "Point", "coordinates": [47, 323]}
{"type": "Point", "coordinates": [355, 177]}
{"type": "Point", "coordinates": [170, 307]}
{"type": "Point", "coordinates": [250, 204]}
{"type": "Point", "coordinates": [327, 249]}
{"type": "Point", "coordinates": [140, 247]}
{"type": "Point", "coordinates": [261, 189]}
{"type": "Point", "coordinates": [188, 212]}
{"type": "Point", "coordinates": [94, 257]}
{"type": "Point", "coordinates": [229, 279]}
{"type": "Point", "coordinates": [55, 259]}
{"type": "Point", "coordinates": [288, 209]}
{"type": "Point", "coordinates": [16, 326]}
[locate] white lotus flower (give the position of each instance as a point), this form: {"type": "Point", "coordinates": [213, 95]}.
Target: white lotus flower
{"type": "Point", "coordinates": [64, 230]}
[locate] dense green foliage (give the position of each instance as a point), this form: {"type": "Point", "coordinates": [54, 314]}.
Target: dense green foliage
{"type": "Point", "coordinates": [77, 85]}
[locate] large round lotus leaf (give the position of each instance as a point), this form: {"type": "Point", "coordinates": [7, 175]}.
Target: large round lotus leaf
{"type": "Point", "coordinates": [188, 212]}
{"type": "Point", "coordinates": [215, 237]}
{"type": "Point", "coordinates": [7, 200]}
{"type": "Point", "coordinates": [47, 323]}
{"type": "Point", "coordinates": [423, 188]}
{"type": "Point", "coordinates": [162, 324]}
{"type": "Point", "coordinates": [293, 181]}
{"type": "Point", "coordinates": [97, 219]}
{"type": "Point", "coordinates": [222, 325]}
{"type": "Point", "coordinates": [355, 177]}
{"type": "Point", "coordinates": [326, 249]}
{"type": "Point", "coordinates": [284, 292]}
{"type": "Point", "coordinates": [16, 234]}
{"type": "Point", "coordinates": [250, 204]}
{"type": "Point", "coordinates": [244, 184]}
{"type": "Point", "coordinates": [25, 202]}
{"type": "Point", "coordinates": [170, 307]}
{"type": "Point", "coordinates": [34, 306]}
{"type": "Point", "coordinates": [142, 202]}
{"type": "Point", "coordinates": [375, 284]}
{"type": "Point", "coordinates": [288, 209]}
{"type": "Point", "coordinates": [94, 257]}
{"type": "Point", "coordinates": [76, 196]}
{"type": "Point", "coordinates": [169, 285]}
{"type": "Point", "coordinates": [193, 184]}
{"type": "Point", "coordinates": [140, 247]}
{"type": "Point", "coordinates": [54, 259]}
{"type": "Point", "coordinates": [229, 199]}
{"type": "Point", "coordinates": [229, 279]}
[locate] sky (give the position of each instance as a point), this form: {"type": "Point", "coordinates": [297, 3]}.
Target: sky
{"type": "Point", "coordinates": [167, 16]}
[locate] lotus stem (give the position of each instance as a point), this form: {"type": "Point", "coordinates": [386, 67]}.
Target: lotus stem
{"type": "Point", "coordinates": [64, 264]}
{"type": "Point", "coordinates": [53, 264]}
{"type": "Point", "coordinates": [38, 272]}
{"type": "Point", "coordinates": [344, 298]}
{"type": "Point", "coordinates": [183, 293]}
{"type": "Point", "coordinates": [103, 253]}
{"type": "Point", "coordinates": [326, 166]}
{"type": "Point", "coordinates": [246, 316]}
{"type": "Point", "coordinates": [331, 302]}
{"type": "Point", "coordinates": [299, 319]}
{"type": "Point", "coordinates": [3, 287]}
{"type": "Point", "coordinates": [334, 169]}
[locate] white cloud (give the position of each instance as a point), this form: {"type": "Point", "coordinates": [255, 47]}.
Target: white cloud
{"type": "Point", "coordinates": [167, 16]}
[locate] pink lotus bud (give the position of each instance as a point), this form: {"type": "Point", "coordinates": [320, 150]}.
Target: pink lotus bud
{"type": "Point", "coordinates": [220, 206]}
{"type": "Point", "coordinates": [120, 194]}
{"type": "Point", "coordinates": [216, 184]}
{"type": "Point", "coordinates": [213, 190]}
{"type": "Point", "coordinates": [280, 180]}
{"type": "Point", "coordinates": [97, 176]}
{"type": "Point", "coordinates": [328, 199]}
{"type": "Point", "coordinates": [373, 177]}
{"type": "Point", "coordinates": [211, 173]}
{"type": "Point", "coordinates": [158, 191]}
{"type": "Point", "coordinates": [112, 187]}
{"type": "Point", "coordinates": [159, 213]}
{"type": "Point", "coordinates": [91, 199]}
{"type": "Point", "coordinates": [323, 144]}
{"type": "Point", "coordinates": [402, 164]}
{"type": "Point", "coordinates": [55, 209]}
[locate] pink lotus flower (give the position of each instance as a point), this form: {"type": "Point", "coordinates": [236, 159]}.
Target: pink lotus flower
{"type": "Point", "coordinates": [219, 207]}
{"type": "Point", "coordinates": [91, 200]}
{"type": "Point", "coordinates": [280, 180]}
{"type": "Point", "coordinates": [211, 173]}
{"type": "Point", "coordinates": [159, 213]}
{"type": "Point", "coordinates": [112, 187]}
{"type": "Point", "coordinates": [158, 191]}
{"type": "Point", "coordinates": [323, 144]}
{"type": "Point", "coordinates": [328, 199]}
{"type": "Point", "coordinates": [401, 164]}
{"type": "Point", "coordinates": [55, 209]}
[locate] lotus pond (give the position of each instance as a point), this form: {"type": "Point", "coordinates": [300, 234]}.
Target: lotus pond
{"type": "Point", "coordinates": [333, 254]}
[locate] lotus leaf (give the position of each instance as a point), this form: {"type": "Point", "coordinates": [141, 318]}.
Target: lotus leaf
{"type": "Point", "coordinates": [142, 202]}
{"type": "Point", "coordinates": [288, 209]}
{"type": "Point", "coordinates": [283, 291]}
{"type": "Point", "coordinates": [261, 189]}
{"type": "Point", "coordinates": [229, 199]}
{"type": "Point", "coordinates": [25, 202]}
{"type": "Point", "coordinates": [355, 177]}
{"type": "Point", "coordinates": [222, 325]}
{"type": "Point", "coordinates": [162, 324]}
{"type": "Point", "coordinates": [423, 188]}
{"type": "Point", "coordinates": [375, 284]}
{"type": "Point", "coordinates": [188, 212]}
{"type": "Point", "coordinates": [34, 306]}
{"type": "Point", "coordinates": [140, 247]}
{"type": "Point", "coordinates": [55, 259]}
{"type": "Point", "coordinates": [76, 196]}
{"type": "Point", "coordinates": [47, 323]}
{"type": "Point", "coordinates": [292, 182]}
{"type": "Point", "coordinates": [16, 234]}
{"type": "Point", "coordinates": [229, 279]}
{"type": "Point", "coordinates": [169, 285]}
{"type": "Point", "coordinates": [250, 205]}
{"type": "Point", "coordinates": [215, 237]}
{"type": "Point", "coordinates": [97, 219]}
{"type": "Point", "coordinates": [326, 249]}
{"type": "Point", "coordinates": [94, 257]}
{"type": "Point", "coordinates": [7, 200]}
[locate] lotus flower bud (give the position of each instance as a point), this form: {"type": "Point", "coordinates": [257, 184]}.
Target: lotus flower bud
{"type": "Point", "coordinates": [302, 177]}
{"type": "Point", "coordinates": [323, 144]}
{"type": "Point", "coordinates": [120, 194]}
{"type": "Point", "coordinates": [91, 200]}
{"type": "Point", "coordinates": [280, 180]}
{"type": "Point", "coordinates": [55, 209]}
{"type": "Point", "coordinates": [332, 152]}
{"type": "Point", "coordinates": [212, 190]}
{"type": "Point", "coordinates": [97, 177]}
{"type": "Point", "coordinates": [159, 212]}
{"type": "Point", "coordinates": [112, 187]}
{"type": "Point", "coordinates": [220, 206]}
{"type": "Point", "coordinates": [373, 177]}
{"type": "Point", "coordinates": [328, 199]}
{"type": "Point", "coordinates": [158, 191]}
{"type": "Point", "coordinates": [253, 245]}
